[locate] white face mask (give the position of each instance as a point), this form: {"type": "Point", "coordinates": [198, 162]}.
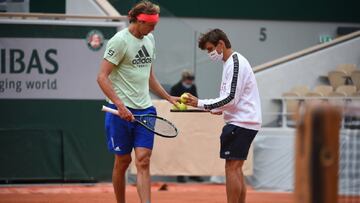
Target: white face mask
{"type": "Point", "coordinates": [187, 86]}
{"type": "Point", "coordinates": [215, 56]}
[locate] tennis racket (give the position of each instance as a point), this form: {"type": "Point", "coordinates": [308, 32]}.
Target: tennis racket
{"type": "Point", "coordinates": [159, 126]}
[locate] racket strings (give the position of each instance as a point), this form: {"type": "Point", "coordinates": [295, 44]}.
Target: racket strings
{"type": "Point", "coordinates": [149, 121]}
{"type": "Point", "coordinates": [159, 125]}
{"type": "Point", "coordinates": [165, 128]}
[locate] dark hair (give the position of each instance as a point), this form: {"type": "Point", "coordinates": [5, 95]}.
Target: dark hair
{"type": "Point", "coordinates": [145, 7]}
{"type": "Point", "coordinates": [214, 36]}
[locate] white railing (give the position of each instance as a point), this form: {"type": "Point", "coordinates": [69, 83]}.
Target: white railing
{"type": "Point", "coordinates": [304, 52]}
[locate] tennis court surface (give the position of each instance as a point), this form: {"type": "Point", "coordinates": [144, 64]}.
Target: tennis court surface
{"type": "Point", "coordinates": [175, 193]}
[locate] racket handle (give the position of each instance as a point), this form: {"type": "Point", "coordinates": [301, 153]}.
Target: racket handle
{"type": "Point", "coordinates": [110, 110]}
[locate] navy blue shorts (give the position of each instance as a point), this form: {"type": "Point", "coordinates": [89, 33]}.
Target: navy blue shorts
{"type": "Point", "coordinates": [122, 136]}
{"type": "Point", "coordinates": [235, 142]}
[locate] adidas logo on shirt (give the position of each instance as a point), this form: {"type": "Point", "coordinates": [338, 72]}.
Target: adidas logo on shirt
{"type": "Point", "coordinates": [142, 58]}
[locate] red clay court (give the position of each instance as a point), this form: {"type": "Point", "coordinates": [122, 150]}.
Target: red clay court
{"type": "Point", "coordinates": [96, 193]}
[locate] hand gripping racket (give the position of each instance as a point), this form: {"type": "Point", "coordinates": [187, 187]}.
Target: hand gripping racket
{"type": "Point", "coordinates": [159, 126]}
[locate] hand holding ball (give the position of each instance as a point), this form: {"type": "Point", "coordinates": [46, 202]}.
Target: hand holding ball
{"type": "Point", "coordinates": [179, 106]}
{"type": "Point", "coordinates": [184, 97]}
{"type": "Point", "coordinates": [182, 106]}
{"type": "Point", "coordinates": [189, 99]}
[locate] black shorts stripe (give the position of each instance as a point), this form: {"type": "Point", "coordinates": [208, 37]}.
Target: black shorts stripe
{"type": "Point", "coordinates": [233, 87]}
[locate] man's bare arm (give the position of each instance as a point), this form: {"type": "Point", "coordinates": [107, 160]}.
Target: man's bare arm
{"type": "Point", "coordinates": [156, 87]}
{"type": "Point", "coordinates": [106, 86]}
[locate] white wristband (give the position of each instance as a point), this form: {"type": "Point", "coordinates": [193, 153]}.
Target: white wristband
{"type": "Point", "coordinates": [200, 104]}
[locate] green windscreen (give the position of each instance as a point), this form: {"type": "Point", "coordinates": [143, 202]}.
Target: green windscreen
{"type": "Point", "coordinates": [41, 6]}
{"type": "Point", "coordinates": [294, 10]}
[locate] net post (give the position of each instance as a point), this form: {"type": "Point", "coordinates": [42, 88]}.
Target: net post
{"type": "Point", "coordinates": [317, 154]}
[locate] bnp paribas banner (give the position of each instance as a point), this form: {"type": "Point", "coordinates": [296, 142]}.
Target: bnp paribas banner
{"type": "Point", "coordinates": [51, 62]}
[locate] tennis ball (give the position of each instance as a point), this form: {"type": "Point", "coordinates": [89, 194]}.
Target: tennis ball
{"type": "Point", "coordinates": [182, 106]}
{"type": "Point", "coordinates": [179, 106]}
{"type": "Point", "coordinates": [184, 97]}
{"type": "Point", "coordinates": [174, 107]}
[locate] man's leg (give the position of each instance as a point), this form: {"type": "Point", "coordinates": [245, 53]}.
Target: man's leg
{"type": "Point", "coordinates": [235, 186]}
{"type": "Point", "coordinates": [142, 163]}
{"type": "Point", "coordinates": [243, 184]}
{"type": "Point", "coordinates": [121, 164]}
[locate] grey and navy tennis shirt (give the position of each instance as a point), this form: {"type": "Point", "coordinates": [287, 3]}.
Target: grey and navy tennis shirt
{"type": "Point", "coordinates": [239, 98]}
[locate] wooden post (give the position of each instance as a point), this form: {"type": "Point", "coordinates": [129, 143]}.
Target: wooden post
{"type": "Point", "coordinates": [317, 154]}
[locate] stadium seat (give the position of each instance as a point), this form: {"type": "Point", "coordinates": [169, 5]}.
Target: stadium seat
{"type": "Point", "coordinates": [347, 68]}
{"type": "Point", "coordinates": [348, 90]}
{"type": "Point", "coordinates": [355, 77]}
{"type": "Point", "coordinates": [338, 100]}
{"type": "Point", "coordinates": [313, 97]}
{"type": "Point", "coordinates": [356, 94]}
{"type": "Point", "coordinates": [336, 94]}
{"type": "Point", "coordinates": [301, 90]}
{"type": "Point", "coordinates": [337, 78]}
{"type": "Point", "coordinates": [323, 89]}
{"type": "Point", "coordinates": [314, 94]}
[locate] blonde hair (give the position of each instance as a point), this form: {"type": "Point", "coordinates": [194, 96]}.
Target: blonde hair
{"type": "Point", "coordinates": [145, 7]}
